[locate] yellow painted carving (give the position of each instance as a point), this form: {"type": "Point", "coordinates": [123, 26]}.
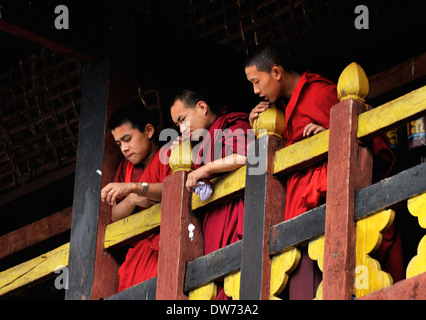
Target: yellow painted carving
{"type": "Point", "coordinates": [353, 83]}
{"type": "Point", "coordinates": [231, 285]}
{"type": "Point", "coordinates": [368, 274]}
{"type": "Point", "coordinates": [417, 208]}
{"type": "Point", "coordinates": [33, 270]}
{"type": "Point", "coordinates": [270, 122]}
{"type": "Point", "coordinates": [417, 265]}
{"type": "Point", "coordinates": [181, 157]}
{"type": "Point", "coordinates": [282, 265]}
{"type": "Point", "coordinates": [206, 292]}
{"type": "Point", "coordinates": [316, 253]}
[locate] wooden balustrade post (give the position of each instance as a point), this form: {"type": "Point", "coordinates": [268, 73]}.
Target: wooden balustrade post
{"type": "Point", "coordinates": [349, 168]}
{"type": "Point", "coordinates": [176, 248]}
{"type": "Point", "coordinates": [107, 84]}
{"type": "Point", "coordinates": [264, 205]}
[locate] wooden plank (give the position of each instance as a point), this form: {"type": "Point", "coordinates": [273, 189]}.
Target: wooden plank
{"type": "Point", "coordinates": [408, 289]}
{"type": "Point", "coordinates": [143, 291]}
{"type": "Point", "coordinates": [298, 230]}
{"type": "Point", "coordinates": [302, 154]}
{"type": "Point", "coordinates": [349, 168]}
{"type": "Point", "coordinates": [84, 228]}
{"type": "Point", "coordinates": [225, 187]}
{"type": "Point", "coordinates": [176, 248]}
{"type": "Point", "coordinates": [214, 266]}
{"type": "Point", "coordinates": [392, 114]}
{"type": "Point", "coordinates": [35, 232]}
{"type": "Point", "coordinates": [264, 205]}
{"type": "Point", "coordinates": [397, 76]}
{"type": "Point", "coordinates": [390, 191]}
{"type": "Point", "coordinates": [33, 271]}
{"type": "Point", "coordinates": [133, 227]}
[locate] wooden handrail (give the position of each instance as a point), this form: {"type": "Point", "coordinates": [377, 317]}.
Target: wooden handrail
{"type": "Point", "coordinates": [33, 270]}
{"type": "Point", "coordinates": [133, 227]}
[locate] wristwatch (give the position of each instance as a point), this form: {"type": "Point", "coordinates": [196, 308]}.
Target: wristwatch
{"type": "Point", "coordinates": [145, 186]}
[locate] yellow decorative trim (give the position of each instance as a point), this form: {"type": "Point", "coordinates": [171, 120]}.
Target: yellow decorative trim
{"type": "Point", "coordinates": [368, 274]}
{"type": "Point", "coordinates": [231, 285]}
{"type": "Point", "coordinates": [206, 292]}
{"type": "Point", "coordinates": [417, 208]}
{"type": "Point", "coordinates": [132, 225]}
{"type": "Point", "coordinates": [316, 253]}
{"type": "Point", "coordinates": [270, 122]}
{"type": "Point", "coordinates": [389, 114]}
{"type": "Point", "coordinates": [181, 157]}
{"type": "Point", "coordinates": [417, 264]}
{"type": "Point", "coordinates": [353, 83]}
{"type": "Point", "coordinates": [282, 265]}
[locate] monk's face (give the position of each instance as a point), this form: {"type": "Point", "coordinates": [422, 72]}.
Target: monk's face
{"type": "Point", "coordinates": [266, 84]}
{"type": "Point", "coordinates": [134, 145]}
{"type": "Point", "coordinates": [192, 121]}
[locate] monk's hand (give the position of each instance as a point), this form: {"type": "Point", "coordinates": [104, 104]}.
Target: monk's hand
{"type": "Point", "coordinates": [115, 190]}
{"type": "Point", "coordinates": [262, 106]}
{"type": "Point", "coordinates": [312, 129]}
{"type": "Point", "coordinates": [176, 142]}
{"type": "Point", "coordinates": [195, 176]}
{"type": "Point", "coordinates": [142, 202]}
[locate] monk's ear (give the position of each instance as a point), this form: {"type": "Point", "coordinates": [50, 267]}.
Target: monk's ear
{"type": "Point", "coordinates": [203, 107]}
{"type": "Point", "coordinates": [149, 130]}
{"type": "Point", "coordinates": [277, 72]}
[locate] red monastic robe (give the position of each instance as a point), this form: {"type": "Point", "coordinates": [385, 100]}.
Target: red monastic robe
{"type": "Point", "coordinates": [142, 256]}
{"type": "Point", "coordinates": [223, 225]}
{"type": "Point", "coordinates": [311, 102]}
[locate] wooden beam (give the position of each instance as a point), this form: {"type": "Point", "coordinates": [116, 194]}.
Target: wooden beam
{"type": "Point", "coordinates": [390, 191]}
{"type": "Point", "coordinates": [143, 291]}
{"type": "Point", "coordinates": [393, 113]}
{"type": "Point", "coordinates": [176, 248]}
{"type": "Point", "coordinates": [215, 266]}
{"type": "Point", "coordinates": [133, 228]}
{"type": "Point", "coordinates": [33, 271]}
{"type": "Point", "coordinates": [397, 76]}
{"type": "Point", "coordinates": [35, 232]}
{"type": "Point", "coordinates": [349, 168]}
{"type": "Point", "coordinates": [84, 228]}
{"type": "Point", "coordinates": [264, 204]}
{"type": "Point", "coordinates": [298, 230]}
{"type": "Point", "coordinates": [43, 41]}
{"type": "Point", "coordinates": [302, 154]}
{"type": "Point", "coordinates": [225, 187]}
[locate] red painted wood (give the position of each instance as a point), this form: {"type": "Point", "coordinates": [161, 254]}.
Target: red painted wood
{"type": "Point", "coordinates": [409, 289]}
{"type": "Point", "coordinates": [176, 248]}
{"type": "Point", "coordinates": [349, 168]}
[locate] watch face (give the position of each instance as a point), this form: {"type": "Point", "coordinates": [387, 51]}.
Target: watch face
{"type": "Point", "coordinates": [144, 184]}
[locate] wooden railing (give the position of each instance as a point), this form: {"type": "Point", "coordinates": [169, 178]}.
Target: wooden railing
{"type": "Point", "coordinates": [341, 235]}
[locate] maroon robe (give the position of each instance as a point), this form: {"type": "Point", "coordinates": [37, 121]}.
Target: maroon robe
{"type": "Point", "coordinates": [311, 102]}
{"type": "Point", "coordinates": [142, 257]}
{"type": "Point", "coordinates": [223, 225]}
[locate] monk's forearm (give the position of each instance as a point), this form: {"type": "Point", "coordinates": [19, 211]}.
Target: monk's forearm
{"type": "Point", "coordinates": [226, 164]}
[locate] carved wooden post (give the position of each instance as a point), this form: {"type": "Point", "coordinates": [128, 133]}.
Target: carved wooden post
{"type": "Point", "coordinates": [349, 168]}
{"type": "Point", "coordinates": [264, 205]}
{"type": "Point", "coordinates": [176, 248]}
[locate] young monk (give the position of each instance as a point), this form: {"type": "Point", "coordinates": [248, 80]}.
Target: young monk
{"type": "Point", "coordinates": [223, 149]}
{"type": "Point", "coordinates": [137, 185]}
{"type": "Point", "coordinates": [306, 99]}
